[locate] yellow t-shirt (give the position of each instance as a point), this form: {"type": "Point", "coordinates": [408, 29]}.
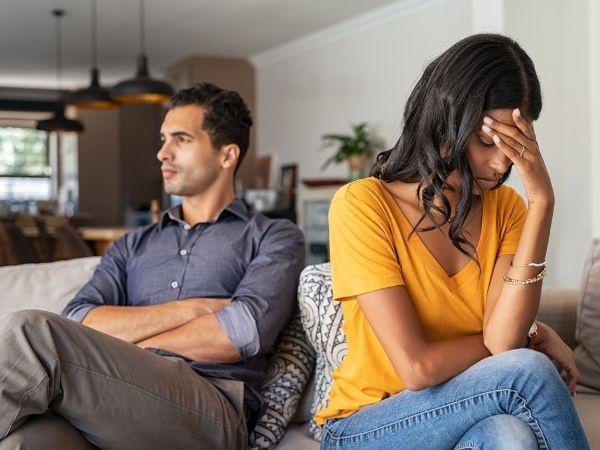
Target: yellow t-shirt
{"type": "Point", "coordinates": [370, 250]}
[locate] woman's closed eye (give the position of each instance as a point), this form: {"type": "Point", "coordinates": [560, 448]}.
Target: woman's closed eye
{"type": "Point", "coordinates": [487, 142]}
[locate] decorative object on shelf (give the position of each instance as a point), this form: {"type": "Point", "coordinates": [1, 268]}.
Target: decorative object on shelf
{"type": "Point", "coordinates": [356, 148]}
{"type": "Point", "coordinates": [59, 122]}
{"type": "Point", "coordinates": [288, 175]}
{"type": "Point", "coordinates": [261, 199]}
{"type": "Point", "coordinates": [262, 172]}
{"type": "Point", "coordinates": [94, 96]}
{"type": "Point", "coordinates": [142, 88]}
{"type": "Point", "coordinates": [323, 182]}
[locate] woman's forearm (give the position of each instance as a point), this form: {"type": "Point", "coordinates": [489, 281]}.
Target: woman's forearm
{"type": "Point", "coordinates": [517, 305]}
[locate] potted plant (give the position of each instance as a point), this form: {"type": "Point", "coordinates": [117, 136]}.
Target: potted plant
{"type": "Point", "coordinates": [356, 148]}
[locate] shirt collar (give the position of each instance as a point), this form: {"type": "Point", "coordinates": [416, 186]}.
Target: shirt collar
{"type": "Point", "coordinates": [236, 207]}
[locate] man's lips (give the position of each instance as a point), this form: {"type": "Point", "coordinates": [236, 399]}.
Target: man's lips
{"type": "Point", "coordinates": [167, 172]}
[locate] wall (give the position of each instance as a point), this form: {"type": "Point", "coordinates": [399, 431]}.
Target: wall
{"type": "Point", "coordinates": [338, 77]}
{"type": "Point", "coordinates": [557, 42]}
{"type": "Point", "coordinates": [365, 76]}
{"type": "Point", "coordinates": [117, 161]}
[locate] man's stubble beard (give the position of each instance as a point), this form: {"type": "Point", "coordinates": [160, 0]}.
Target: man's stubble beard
{"type": "Point", "coordinates": [187, 187]}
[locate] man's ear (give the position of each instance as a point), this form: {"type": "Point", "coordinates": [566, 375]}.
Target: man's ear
{"type": "Point", "coordinates": [230, 155]}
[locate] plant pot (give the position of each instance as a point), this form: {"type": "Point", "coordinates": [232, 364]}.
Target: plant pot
{"type": "Point", "coordinates": [358, 166]}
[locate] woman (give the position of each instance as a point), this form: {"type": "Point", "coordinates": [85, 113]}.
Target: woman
{"type": "Point", "coordinates": [439, 266]}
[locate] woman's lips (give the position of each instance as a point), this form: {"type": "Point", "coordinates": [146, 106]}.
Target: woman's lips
{"type": "Point", "coordinates": [488, 184]}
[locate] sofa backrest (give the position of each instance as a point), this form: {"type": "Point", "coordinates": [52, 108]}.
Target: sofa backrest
{"type": "Point", "coordinates": [47, 286]}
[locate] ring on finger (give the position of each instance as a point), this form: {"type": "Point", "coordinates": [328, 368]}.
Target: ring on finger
{"type": "Point", "coordinates": [522, 152]}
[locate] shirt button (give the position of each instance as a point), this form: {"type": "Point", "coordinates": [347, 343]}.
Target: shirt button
{"type": "Point", "coordinates": [174, 284]}
{"type": "Point", "coordinates": [183, 252]}
{"type": "Point", "coordinates": [186, 226]}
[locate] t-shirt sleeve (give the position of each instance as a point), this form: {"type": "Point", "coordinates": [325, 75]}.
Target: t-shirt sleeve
{"type": "Point", "coordinates": [512, 224]}
{"type": "Point", "coordinates": [362, 250]}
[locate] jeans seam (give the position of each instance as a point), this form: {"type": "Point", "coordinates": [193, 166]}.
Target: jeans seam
{"type": "Point", "coordinates": [466, 445]}
{"type": "Point", "coordinates": [397, 423]}
{"type": "Point", "coordinates": [152, 394]}
{"type": "Point", "coordinates": [26, 394]}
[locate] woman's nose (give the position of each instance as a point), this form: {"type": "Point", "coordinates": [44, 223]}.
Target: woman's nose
{"type": "Point", "coordinates": [500, 163]}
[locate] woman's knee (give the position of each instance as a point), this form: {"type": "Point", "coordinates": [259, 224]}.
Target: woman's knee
{"type": "Point", "coordinates": [499, 432]}
{"type": "Point", "coordinates": [526, 362]}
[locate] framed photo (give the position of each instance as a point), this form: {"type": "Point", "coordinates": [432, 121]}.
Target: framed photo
{"type": "Point", "coordinates": [288, 175]}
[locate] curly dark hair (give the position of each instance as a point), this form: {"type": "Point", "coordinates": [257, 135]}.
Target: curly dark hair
{"type": "Point", "coordinates": [227, 119]}
{"type": "Point", "coordinates": [477, 74]}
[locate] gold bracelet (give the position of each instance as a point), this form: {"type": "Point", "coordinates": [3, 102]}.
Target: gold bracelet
{"type": "Point", "coordinates": [542, 264]}
{"type": "Point", "coordinates": [535, 279]}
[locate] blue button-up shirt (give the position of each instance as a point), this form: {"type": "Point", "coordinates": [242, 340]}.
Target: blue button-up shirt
{"type": "Point", "coordinates": [245, 256]}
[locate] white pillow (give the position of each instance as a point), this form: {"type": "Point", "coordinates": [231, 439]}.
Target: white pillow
{"type": "Point", "coordinates": [47, 286]}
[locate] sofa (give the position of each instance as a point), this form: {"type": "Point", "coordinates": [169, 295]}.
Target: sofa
{"type": "Point", "coordinates": [49, 286]}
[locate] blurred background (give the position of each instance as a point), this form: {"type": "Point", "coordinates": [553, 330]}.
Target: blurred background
{"type": "Point", "coordinates": [77, 153]}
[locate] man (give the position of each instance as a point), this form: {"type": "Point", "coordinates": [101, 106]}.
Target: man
{"type": "Point", "coordinates": [178, 319]}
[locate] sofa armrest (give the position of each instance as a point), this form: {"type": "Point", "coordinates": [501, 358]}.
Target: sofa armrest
{"type": "Point", "coordinates": [558, 309]}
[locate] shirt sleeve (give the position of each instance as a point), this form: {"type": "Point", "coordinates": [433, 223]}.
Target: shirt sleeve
{"type": "Point", "coordinates": [512, 224]}
{"type": "Point", "coordinates": [106, 287]}
{"type": "Point", "coordinates": [266, 297]}
{"type": "Point", "coordinates": [362, 249]}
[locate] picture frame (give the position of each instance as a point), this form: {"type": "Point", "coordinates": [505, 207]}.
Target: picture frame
{"type": "Point", "coordinates": [288, 179]}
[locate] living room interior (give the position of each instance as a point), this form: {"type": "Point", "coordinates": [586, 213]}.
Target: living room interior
{"type": "Point", "coordinates": [309, 71]}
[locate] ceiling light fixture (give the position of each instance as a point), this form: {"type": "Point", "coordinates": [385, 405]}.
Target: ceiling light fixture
{"type": "Point", "coordinates": [94, 96]}
{"type": "Point", "coordinates": [59, 122]}
{"type": "Point", "coordinates": [142, 88]}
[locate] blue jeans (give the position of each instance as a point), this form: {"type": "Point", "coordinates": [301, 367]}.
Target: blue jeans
{"type": "Point", "coordinates": [514, 400]}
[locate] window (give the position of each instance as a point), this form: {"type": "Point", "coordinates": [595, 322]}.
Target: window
{"type": "Point", "coordinates": [25, 170]}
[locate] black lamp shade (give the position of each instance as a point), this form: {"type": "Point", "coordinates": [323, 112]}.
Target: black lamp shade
{"type": "Point", "coordinates": [94, 96]}
{"type": "Point", "coordinates": [142, 88]}
{"type": "Point", "coordinates": [59, 122]}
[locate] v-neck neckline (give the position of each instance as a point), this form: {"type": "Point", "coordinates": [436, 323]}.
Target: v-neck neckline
{"type": "Point", "coordinates": [415, 240]}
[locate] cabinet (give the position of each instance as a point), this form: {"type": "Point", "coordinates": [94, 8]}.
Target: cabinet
{"type": "Point", "coordinates": [312, 205]}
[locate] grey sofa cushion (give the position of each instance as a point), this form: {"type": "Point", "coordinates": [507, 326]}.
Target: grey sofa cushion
{"type": "Point", "coordinates": [587, 353]}
{"type": "Point", "coordinates": [47, 286]}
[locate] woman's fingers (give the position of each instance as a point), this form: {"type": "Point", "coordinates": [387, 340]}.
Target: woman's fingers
{"type": "Point", "coordinates": [513, 132]}
{"type": "Point", "coordinates": [508, 150]}
{"type": "Point", "coordinates": [525, 127]}
{"type": "Point", "coordinates": [506, 139]}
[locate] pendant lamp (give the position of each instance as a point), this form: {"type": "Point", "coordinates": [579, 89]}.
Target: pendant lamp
{"type": "Point", "coordinates": [94, 96]}
{"type": "Point", "coordinates": [59, 122]}
{"type": "Point", "coordinates": [142, 88]}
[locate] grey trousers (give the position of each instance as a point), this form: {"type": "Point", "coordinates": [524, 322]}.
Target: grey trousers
{"type": "Point", "coordinates": [65, 385]}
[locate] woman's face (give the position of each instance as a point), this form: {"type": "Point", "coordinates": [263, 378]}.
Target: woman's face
{"type": "Point", "coordinates": [488, 163]}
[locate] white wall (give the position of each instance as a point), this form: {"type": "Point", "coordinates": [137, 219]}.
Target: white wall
{"type": "Point", "coordinates": [367, 75]}
{"type": "Point", "coordinates": [557, 41]}
{"type": "Point", "coordinates": [361, 77]}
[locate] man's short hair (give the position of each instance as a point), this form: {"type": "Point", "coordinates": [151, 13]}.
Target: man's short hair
{"type": "Point", "coordinates": [227, 119]}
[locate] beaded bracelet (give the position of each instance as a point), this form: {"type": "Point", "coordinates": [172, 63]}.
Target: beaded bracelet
{"type": "Point", "coordinates": [542, 264]}
{"type": "Point", "coordinates": [535, 279]}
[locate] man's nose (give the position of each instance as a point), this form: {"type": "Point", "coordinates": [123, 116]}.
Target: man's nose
{"type": "Point", "coordinates": [164, 152]}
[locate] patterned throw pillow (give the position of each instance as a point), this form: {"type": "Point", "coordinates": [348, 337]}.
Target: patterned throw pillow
{"type": "Point", "coordinates": [289, 370]}
{"type": "Point", "coordinates": [322, 321]}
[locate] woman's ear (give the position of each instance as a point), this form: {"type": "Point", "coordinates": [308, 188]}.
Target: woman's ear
{"type": "Point", "coordinates": [443, 150]}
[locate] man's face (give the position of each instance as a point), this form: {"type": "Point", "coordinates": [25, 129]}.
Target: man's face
{"type": "Point", "coordinates": [189, 163]}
